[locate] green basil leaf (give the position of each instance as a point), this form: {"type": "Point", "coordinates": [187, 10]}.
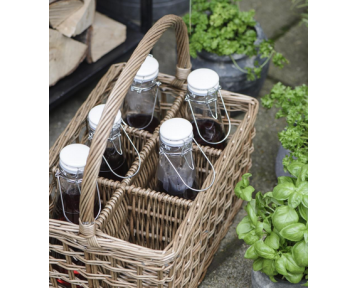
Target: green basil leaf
{"type": "Point", "coordinates": [292, 266]}
{"type": "Point", "coordinates": [284, 179]}
{"type": "Point", "coordinates": [264, 250]}
{"type": "Point", "coordinates": [305, 201]}
{"type": "Point", "coordinates": [251, 213]}
{"type": "Point", "coordinates": [246, 193]}
{"type": "Point", "coordinates": [251, 253]}
{"type": "Point", "coordinates": [244, 227]}
{"type": "Point", "coordinates": [284, 216]}
{"type": "Point", "coordinates": [283, 191]}
{"type": "Point", "coordinates": [272, 279]}
{"type": "Point", "coordinates": [304, 172]}
{"type": "Point", "coordinates": [267, 225]}
{"type": "Point", "coordinates": [293, 232]}
{"type": "Point", "coordinates": [268, 267]}
{"type": "Point", "coordinates": [268, 194]}
{"type": "Point", "coordinates": [305, 285]}
{"type": "Point", "coordinates": [302, 188]}
{"type": "Point", "coordinates": [294, 200]}
{"type": "Point", "coordinates": [250, 238]}
{"type": "Point", "coordinates": [300, 253]}
{"type": "Point", "coordinates": [303, 211]}
{"type": "Point", "coordinates": [305, 236]}
{"type": "Point", "coordinates": [257, 266]}
{"type": "Point", "coordinates": [259, 228]}
{"type": "Point", "coordinates": [245, 179]}
{"type": "Point", "coordinates": [280, 265]}
{"type": "Point", "coordinates": [294, 278]}
{"type": "Point", "coordinates": [295, 168]}
{"type": "Point", "coordinates": [237, 190]}
{"type": "Point", "coordinates": [273, 240]}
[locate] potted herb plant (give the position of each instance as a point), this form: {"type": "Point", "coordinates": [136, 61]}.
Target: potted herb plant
{"type": "Point", "coordinates": [229, 41]}
{"type": "Point", "coordinates": [293, 104]}
{"type": "Point", "coordinates": [276, 228]}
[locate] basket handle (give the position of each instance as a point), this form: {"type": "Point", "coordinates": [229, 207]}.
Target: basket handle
{"type": "Point", "coordinates": [87, 227]}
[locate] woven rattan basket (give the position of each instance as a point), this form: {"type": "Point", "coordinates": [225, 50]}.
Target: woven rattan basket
{"type": "Point", "coordinates": [144, 238]}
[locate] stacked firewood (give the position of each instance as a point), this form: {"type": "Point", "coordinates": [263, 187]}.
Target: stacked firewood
{"type": "Point", "coordinates": [78, 32]}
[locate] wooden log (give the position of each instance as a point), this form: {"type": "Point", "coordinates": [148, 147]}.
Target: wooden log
{"type": "Point", "coordinates": [65, 55]}
{"type": "Point", "coordinates": [107, 34]}
{"type": "Point", "coordinates": [61, 10]}
{"type": "Point", "coordinates": [78, 21]}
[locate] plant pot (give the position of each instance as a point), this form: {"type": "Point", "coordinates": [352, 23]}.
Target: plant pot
{"type": "Point", "coordinates": [231, 78]}
{"type": "Point", "coordinates": [261, 280]}
{"type": "Point", "coordinates": [282, 152]}
{"type": "Point", "coordinates": [130, 9]}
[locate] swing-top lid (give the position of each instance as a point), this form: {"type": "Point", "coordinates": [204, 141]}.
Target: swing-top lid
{"type": "Point", "coordinates": [73, 158]}
{"type": "Point", "coordinates": [95, 115]}
{"type": "Point", "coordinates": [176, 132]}
{"type": "Point", "coordinates": [148, 71]}
{"type": "Point", "coordinates": [200, 81]}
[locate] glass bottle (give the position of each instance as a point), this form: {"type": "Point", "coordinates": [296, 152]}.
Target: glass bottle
{"type": "Point", "coordinates": [141, 105]}
{"type": "Point", "coordinates": [69, 178]}
{"type": "Point", "coordinates": [176, 172]}
{"type": "Point", "coordinates": [114, 160]}
{"type": "Point", "coordinates": [202, 108]}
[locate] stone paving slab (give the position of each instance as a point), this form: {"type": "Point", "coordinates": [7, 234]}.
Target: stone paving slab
{"type": "Point", "coordinates": [294, 46]}
{"type": "Point", "coordinates": [275, 16]}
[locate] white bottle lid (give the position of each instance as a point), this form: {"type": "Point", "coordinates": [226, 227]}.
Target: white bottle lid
{"type": "Point", "coordinates": [73, 158]}
{"type": "Point", "coordinates": [95, 115]}
{"type": "Point", "coordinates": [200, 81]}
{"type": "Point", "coordinates": [148, 71]}
{"type": "Point", "coordinates": [175, 132]}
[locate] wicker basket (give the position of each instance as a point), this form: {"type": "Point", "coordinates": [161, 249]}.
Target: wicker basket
{"type": "Point", "coordinates": [145, 238]}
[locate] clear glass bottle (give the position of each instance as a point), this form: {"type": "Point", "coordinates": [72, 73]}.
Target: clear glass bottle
{"type": "Point", "coordinates": [141, 107]}
{"type": "Point", "coordinates": [69, 179]}
{"type": "Point", "coordinates": [114, 160]}
{"type": "Point", "coordinates": [175, 140]}
{"type": "Point", "coordinates": [203, 109]}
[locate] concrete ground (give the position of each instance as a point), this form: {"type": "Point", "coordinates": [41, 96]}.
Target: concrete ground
{"type": "Point", "coordinates": [281, 23]}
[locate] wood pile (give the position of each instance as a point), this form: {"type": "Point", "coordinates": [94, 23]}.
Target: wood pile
{"type": "Point", "coordinates": [78, 32]}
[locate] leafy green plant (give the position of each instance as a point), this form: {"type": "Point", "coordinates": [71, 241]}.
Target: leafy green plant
{"type": "Point", "coordinates": [276, 225]}
{"type": "Point", "coordinates": [293, 104]}
{"type": "Point", "coordinates": [300, 4]}
{"type": "Point", "coordinates": [220, 27]}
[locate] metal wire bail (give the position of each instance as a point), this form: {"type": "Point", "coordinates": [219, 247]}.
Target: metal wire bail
{"type": "Point", "coordinates": [161, 151]}
{"type": "Point", "coordinates": [215, 117]}
{"type": "Point", "coordinates": [77, 182]}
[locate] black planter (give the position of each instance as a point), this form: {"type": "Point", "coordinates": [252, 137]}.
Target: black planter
{"type": "Point", "coordinates": [231, 78]}
{"type": "Point", "coordinates": [282, 152]}
{"type": "Point", "coordinates": [130, 9]}
{"type": "Point", "coordinates": [261, 280]}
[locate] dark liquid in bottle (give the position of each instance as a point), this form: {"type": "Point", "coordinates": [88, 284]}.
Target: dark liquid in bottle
{"type": "Point", "coordinates": [117, 162]}
{"type": "Point", "coordinates": [210, 131]}
{"type": "Point", "coordinates": [71, 202]}
{"type": "Point", "coordinates": [142, 120]}
{"type": "Point", "coordinates": [173, 190]}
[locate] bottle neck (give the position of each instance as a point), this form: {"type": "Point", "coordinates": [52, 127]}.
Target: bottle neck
{"type": "Point", "coordinates": [115, 133]}
{"type": "Point", "coordinates": [141, 86]}
{"type": "Point", "coordinates": [211, 96]}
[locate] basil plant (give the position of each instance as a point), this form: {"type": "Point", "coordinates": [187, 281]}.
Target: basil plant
{"type": "Point", "coordinates": [276, 225]}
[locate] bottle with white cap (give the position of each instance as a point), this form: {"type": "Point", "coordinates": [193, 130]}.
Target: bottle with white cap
{"type": "Point", "coordinates": [113, 161]}
{"type": "Point", "coordinates": [141, 105]}
{"type": "Point", "coordinates": [203, 110]}
{"type": "Point", "coordinates": [176, 171]}
{"type": "Point", "coordinates": [69, 178]}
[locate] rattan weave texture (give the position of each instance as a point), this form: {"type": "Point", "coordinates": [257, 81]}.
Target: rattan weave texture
{"type": "Point", "coordinates": [145, 238]}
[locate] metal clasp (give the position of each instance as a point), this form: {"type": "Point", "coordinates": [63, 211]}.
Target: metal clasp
{"type": "Point", "coordinates": [187, 99]}
{"type": "Point", "coordinates": [161, 151]}
{"type": "Point", "coordinates": [77, 182]}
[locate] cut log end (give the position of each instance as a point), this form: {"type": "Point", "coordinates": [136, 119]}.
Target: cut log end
{"type": "Point", "coordinates": [65, 55]}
